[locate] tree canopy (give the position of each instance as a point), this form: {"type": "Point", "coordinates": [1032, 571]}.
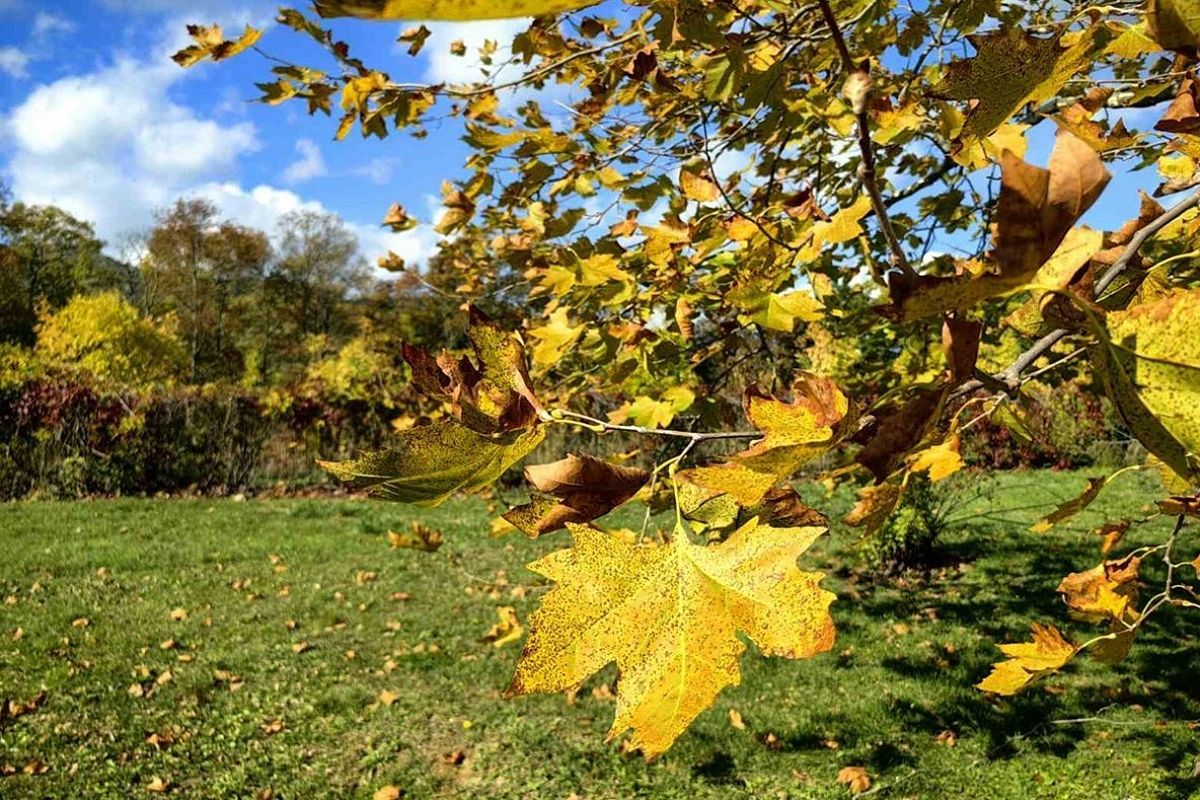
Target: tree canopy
{"type": "Point", "coordinates": [830, 212]}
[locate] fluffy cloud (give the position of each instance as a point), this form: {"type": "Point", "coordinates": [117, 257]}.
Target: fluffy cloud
{"type": "Point", "coordinates": [112, 145]}
{"type": "Point", "coordinates": [262, 206]}
{"type": "Point", "coordinates": [310, 165]}
{"type": "Point", "coordinates": [14, 62]}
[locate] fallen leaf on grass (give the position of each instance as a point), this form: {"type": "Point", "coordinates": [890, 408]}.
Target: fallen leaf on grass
{"type": "Point", "coordinates": [301, 647]}
{"type": "Point", "coordinates": [855, 779]}
{"type": "Point", "coordinates": [420, 537]}
{"type": "Point", "coordinates": [387, 793]}
{"type": "Point", "coordinates": [507, 630]}
{"type": "Point", "coordinates": [179, 615]}
{"type": "Point", "coordinates": [387, 697]}
{"type": "Point", "coordinates": [735, 720]}
{"type": "Point", "coordinates": [158, 785]}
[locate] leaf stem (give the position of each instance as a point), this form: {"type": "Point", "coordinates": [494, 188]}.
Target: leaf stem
{"type": "Point", "coordinates": [600, 426]}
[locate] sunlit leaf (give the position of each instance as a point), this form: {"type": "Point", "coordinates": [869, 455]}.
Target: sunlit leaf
{"type": "Point", "coordinates": [670, 617]}
{"type": "Point", "coordinates": [1047, 653]}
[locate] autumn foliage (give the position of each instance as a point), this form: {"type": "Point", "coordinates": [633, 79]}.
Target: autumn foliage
{"type": "Point", "coordinates": [738, 192]}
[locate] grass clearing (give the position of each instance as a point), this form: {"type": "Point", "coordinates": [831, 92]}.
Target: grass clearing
{"type": "Point", "coordinates": [289, 630]}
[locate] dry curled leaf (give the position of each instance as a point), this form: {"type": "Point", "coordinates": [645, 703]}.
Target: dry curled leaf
{"type": "Point", "coordinates": [586, 487]}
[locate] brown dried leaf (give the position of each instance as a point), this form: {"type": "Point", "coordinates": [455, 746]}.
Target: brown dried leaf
{"type": "Point", "coordinates": [587, 488]}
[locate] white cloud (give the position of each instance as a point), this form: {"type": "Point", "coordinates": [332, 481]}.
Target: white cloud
{"type": "Point", "coordinates": [46, 24]}
{"type": "Point", "coordinates": [378, 170]}
{"type": "Point", "coordinates": [111, 145]}
{"type": "Point", "coordinates": [14, 62]}
{"type": "Point", "coordinates": [262, 207]}
{"type": "Point", "coordinates": [443, 67]}
{"type": "Point", "coordinates": [310, 165]}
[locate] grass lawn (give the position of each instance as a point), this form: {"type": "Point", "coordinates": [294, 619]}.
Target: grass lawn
{"type": "Point", "coordinates": [240, 649]}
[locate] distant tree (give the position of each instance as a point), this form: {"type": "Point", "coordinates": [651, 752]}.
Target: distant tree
{"type": "Point", "coordinates": [48, 256]}
{"type": "Point", "coordinates": [318, 268]}
{"type": "Point", "coordinates": [198, 266]}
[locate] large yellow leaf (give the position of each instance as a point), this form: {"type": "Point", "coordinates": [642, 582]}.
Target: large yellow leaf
{"type": "Point", "coordinates": [794, 434]}
{"type": "Point", "coordinates": [445, 9]}
{"type": "Point", "coordinates": [669, 616]}
{"type": "Point", "coordinates": [1011, 68]}
{"type": "Point", "coordinates": [1149, 360]}
{"type": "Point", "coordinates": [426, 465]}
{"type": "Point", "coordinates": [1048, 652]}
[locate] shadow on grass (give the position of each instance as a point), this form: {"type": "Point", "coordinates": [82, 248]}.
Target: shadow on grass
{"type": "Point", "coordinates": [996, 584]}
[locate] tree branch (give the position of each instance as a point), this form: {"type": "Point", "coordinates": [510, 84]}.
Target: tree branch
{"type": "Point", "coordinates": [1011, 376]}
{"type": "Point", "coordinates": [866, 171]}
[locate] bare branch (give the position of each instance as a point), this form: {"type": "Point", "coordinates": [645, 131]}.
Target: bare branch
{"type": "Point", "coordinates": [866, 170]}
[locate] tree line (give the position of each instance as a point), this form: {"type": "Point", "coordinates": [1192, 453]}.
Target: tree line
{"type": "Point", "coordinates": [244, 305]}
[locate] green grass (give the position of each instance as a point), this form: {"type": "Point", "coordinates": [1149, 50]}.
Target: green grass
{"type": "Point", "coordinates": [900, 674]}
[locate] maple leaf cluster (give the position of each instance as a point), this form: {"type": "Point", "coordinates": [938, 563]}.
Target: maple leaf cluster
{"type": "Point", "coordinates": [749, 195]}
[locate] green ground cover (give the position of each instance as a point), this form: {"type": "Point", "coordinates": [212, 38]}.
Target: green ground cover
{"type": "Point", "coordinates": [241, 649]}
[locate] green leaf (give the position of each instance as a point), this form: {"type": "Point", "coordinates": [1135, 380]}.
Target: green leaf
{"type": "Point", "coordinates": [426, 465]}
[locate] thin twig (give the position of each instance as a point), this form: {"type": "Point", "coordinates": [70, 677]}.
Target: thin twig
{"type": "Point", "coordinates": [600, 426]}
{"type": "Point", "coordinates": [866, 170]}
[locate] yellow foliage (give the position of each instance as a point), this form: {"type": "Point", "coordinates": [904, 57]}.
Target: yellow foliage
{"type": "Point", "coordinates": [670, 616]}
{"type": "Point", "coordinates": [104, 335]}
{"type": "Point", "coordinates": [1048, 652]}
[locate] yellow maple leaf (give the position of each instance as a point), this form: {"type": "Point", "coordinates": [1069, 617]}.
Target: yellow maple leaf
{"type": "Point", "coordinates": [941, 460]}
{"type": "Point", "coordinates": [794, 434]}
{"type": "Point", "coordinates": [1149, 362]}
{"type": "Point", "coordinates": [1105, 592]}
{"type": "Point", "coordinates": [551, 341]}
{"type": "Point", "coordinates": [1027, 661]}
{"type": "Point", "coordinates": [698, 185]}
{"type": "Point", "coordinates": [669, 616]}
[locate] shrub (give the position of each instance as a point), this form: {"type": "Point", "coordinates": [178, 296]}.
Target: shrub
{"type": "Point", "coordinates": [907, 540]}
{"type": "Point", "coordinates": [105, 336]}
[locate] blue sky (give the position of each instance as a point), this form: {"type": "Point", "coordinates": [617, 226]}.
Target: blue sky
{"type": "Point", "coordinates": [98, 120]}
{"type": "Point", "coordinates": [94, 117]}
